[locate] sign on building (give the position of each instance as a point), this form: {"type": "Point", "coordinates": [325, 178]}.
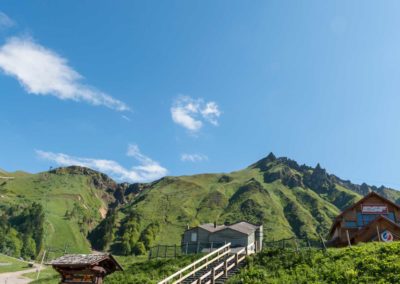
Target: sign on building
{"type": "Point", "coordinates": [374, 209]}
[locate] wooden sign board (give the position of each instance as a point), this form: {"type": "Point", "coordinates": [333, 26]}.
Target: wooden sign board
{"type": "Point", "coordinates": [374, 209]}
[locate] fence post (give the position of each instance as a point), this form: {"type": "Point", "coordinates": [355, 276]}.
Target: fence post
{"type": "Point", "coordinates": [308, 242]}
{"type": "Point", "coordinates": [297, 245]}
{"type": "Point", "coordinates": [158, 250]}
{"type": "Point", "coordinates": [226, 268]}
{"type": "Point", "coordinates": [323, 243]}
{"type": "Point", "coordinates": [236, 259]}
{"type": "Point", "coordinates": [175, 252]}
{"type": "Point", "coordinates": [213, 276]}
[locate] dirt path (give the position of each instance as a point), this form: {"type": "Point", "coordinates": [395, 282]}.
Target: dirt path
{"type": "Point", "coordinates": [16, 277]}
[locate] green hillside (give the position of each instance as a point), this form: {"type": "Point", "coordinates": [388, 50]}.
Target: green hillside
{"type": "Point", "coordinates": [84, 208]}
{"type": "Point", "coordinates": [73, 201]}
{"type": "Point", "coordinates": [289, 199]}
{"type": "Point", "coordinates": [366, 263]}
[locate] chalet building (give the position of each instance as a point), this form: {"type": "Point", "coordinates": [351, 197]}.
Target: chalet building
{"type": "Point", "coordinates": [85, 268]}
{"type": "Point", "coordinates": [373, 218]}
{"type": "Point", "coordinates": [209, 236]}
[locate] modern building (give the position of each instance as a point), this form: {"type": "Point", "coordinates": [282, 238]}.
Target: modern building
{"type": "Point", "coordinates": [209, 236]}
{"type": "Point", "coordinates": [373, 218]}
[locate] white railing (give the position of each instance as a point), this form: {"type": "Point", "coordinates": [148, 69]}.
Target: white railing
{"type": "Point", "coordinates": [215, 272]}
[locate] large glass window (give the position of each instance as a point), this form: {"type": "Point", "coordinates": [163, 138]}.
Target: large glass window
{"type": "Point", "coordinates": [193, 237]}
{"type": "Point", "coordinates": [350, 224]}
{"type": "Point", "coordinates": [359, 220]}
{"type": "Point", "coordinates": [364, 219]}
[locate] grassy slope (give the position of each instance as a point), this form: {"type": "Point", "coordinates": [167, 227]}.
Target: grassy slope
{"type": "Point", "coordinates": [367, 263]}
{"type": "Point", "coordinates": [10, 264]}
{"type": "Point", "coordinates": [57, 193]}
{"type": "Point", "coordinates": [204, 198]}
{"type": "Point", "coordinates": [137, 270]}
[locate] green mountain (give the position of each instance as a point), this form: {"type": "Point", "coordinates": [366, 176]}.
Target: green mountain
{"type": "Point", "coordinates": [85, 208]}
{"type": "Point", "coordinates": [73, 199]}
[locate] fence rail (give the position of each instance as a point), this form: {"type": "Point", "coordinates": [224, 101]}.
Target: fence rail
{"type": "Point", "coordinates": [173, 251]}
{"type": "Point", "coordinates": [296, 243]}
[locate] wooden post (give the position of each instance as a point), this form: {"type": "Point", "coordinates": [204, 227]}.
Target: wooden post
{"type": "Point", "coordinates": [41, 265]}
{"type": "Point", "coordinates": [297, 245]}
{"type": "Point", "coordinates": [247, 250]}
{"type": "Point", "coordinates": [213, 276]}
{"type": "Point", "coordinates": [348, 237]}
{"type": "Point", "coordinates": [379, 235]}
{"type": "Point", "coordinates": [226, 268]}
{"type": "Point", "coordinates": [323, 243]}
{"type": "Point", "coordinates": [236, 259]}
{"type": "Point", "coordinates": [175, 252]}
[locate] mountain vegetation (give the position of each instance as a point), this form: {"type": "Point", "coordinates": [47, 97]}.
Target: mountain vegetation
{"type": "Point", "coordinates": [366, 263]}
{"type": "Point", "coordinates": [84, 209]}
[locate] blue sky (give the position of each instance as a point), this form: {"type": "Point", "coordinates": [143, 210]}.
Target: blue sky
{"type": "Point", "coordinates": [140, 89]}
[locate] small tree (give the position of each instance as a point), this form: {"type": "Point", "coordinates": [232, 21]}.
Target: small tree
{"type": "Point", "coordinates": [139, 249]}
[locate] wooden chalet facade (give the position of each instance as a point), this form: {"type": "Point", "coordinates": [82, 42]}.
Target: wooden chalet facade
{"type": "Point", "coordinates": [85, 268]}
{"type": "Point", "coordinates": [373, 218]}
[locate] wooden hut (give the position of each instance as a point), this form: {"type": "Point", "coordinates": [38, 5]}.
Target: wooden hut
{"type": "Point", "coordinates": [373, 218]}
{"type": "Point", "coordinates": [85, 268]}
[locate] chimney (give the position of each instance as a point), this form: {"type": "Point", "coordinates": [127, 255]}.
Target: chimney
{"type": "Point", "coordinates": [215, 224]}
{"type": "Point", "coordinates": [187, 226]}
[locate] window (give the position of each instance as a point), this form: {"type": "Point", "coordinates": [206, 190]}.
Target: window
{"type": "Point", "coordinates": [359, 220]}
{"type": "Point", "coordinates": [193, 237]}
{"type": "Point", "coordinates": [390, 215]}
{"type": "Point", "coordinates": [364, 219]}
{"type": "Point", "coordinates": [350, 224]}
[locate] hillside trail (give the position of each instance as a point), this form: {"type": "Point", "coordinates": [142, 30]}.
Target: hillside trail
{"type": "Point", "coordinates": [17, 278]}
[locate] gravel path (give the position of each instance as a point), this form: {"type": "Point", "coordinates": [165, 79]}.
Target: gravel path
{"type": "Point", "coordinates": [16, 277]}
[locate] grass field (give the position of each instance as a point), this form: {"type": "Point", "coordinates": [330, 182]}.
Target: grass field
{"type": "Point", "coordinates": [9, 264]}
{"type": "Point", "coordinates": [58, 193]}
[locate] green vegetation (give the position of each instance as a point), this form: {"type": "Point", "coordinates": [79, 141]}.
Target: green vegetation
{"type": "Point", "coordinates": [137, 270]}
{"type": "Point", "coordinates": [85, 209]}
{"type": "Point", "coordinates": [21, 230]}
{"type": "Point", "coordinates": [10, 264]}
{"type": "Point", "coordinates": [72, 200]}
{"type": "Point", "coordinates": [366, 263]}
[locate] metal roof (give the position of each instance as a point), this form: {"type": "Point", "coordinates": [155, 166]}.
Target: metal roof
{"type": "Point", "coordinates": [242, 227]}
{"type": "Point", "coordinates": [85, 259]}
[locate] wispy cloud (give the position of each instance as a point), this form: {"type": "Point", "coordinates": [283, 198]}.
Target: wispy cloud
{"type": "Point", "coordinates": [5, 21]}
{"type": "Point", "coordinates": [41, 71]}
{"type": "Point", "coordinates": [193, 158]}
{"type": "Point", "coordinates": [192, 113]}
{"type": "Point", "coordinates": [147, 170]}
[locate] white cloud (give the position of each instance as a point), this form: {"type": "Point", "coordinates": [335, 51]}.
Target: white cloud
{"type": "Point", "coordinates": [126, 117]}
{"type": "Point", "coordinates": [43, 72]}
{"type": "Point", "coordinates": [5, 21]}
{"type": "Point", "coordinates": [191, 113]}
{"type": "Point", "coordinates": [147, 170]}
{"type": "Point", "coordinates": [193, 158]}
